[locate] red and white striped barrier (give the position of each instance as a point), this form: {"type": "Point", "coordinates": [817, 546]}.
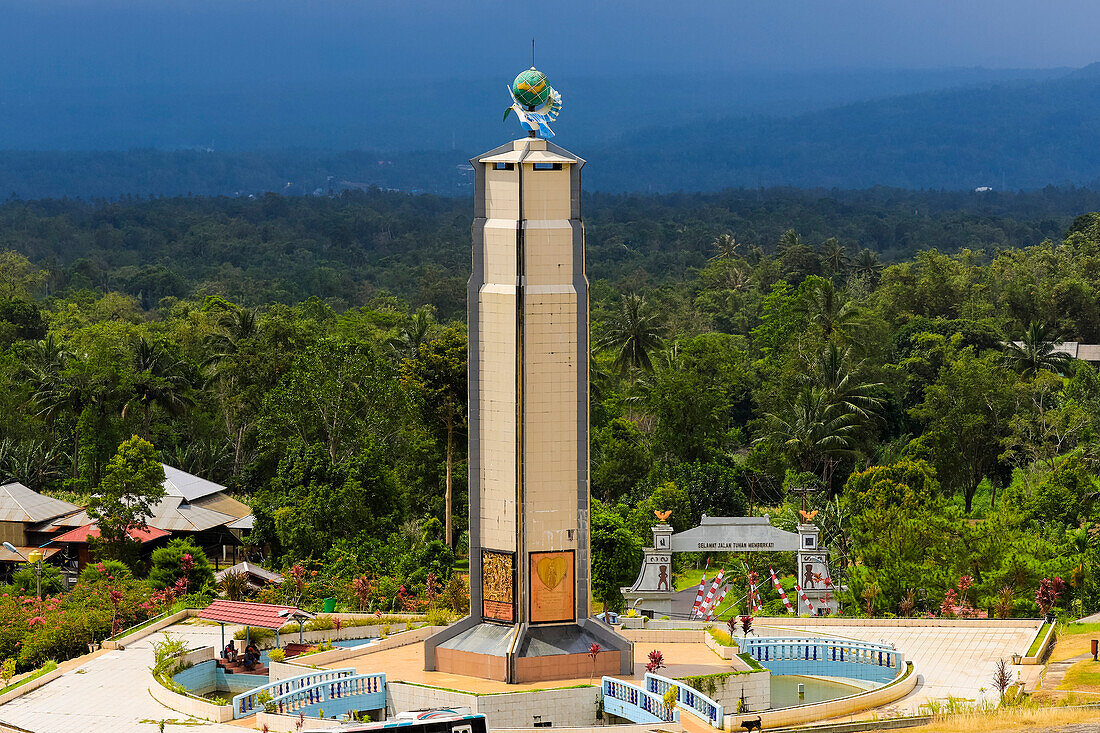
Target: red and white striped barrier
{"type": "Point", "coordinates": [699, 594]}
{"type": "Point", "coordinates": [782, 593]}
{"type": "Point", "coordinates": [718, 603]}
{"type": "Point", "coordinates": [704, 610]}
{"type": "Point", "coordinates": [805, 600]}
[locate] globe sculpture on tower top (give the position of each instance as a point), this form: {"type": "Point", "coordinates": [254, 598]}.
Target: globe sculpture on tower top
{"type": "Point", "coordinates": [535, 102]}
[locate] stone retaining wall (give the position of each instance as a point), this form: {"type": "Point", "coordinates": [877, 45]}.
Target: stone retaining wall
{"type": "Point", "coordinates": [567, 707]}
{"type": "Point", "coordinates": [896, 690]}
{"type": "Point", "coordinates": [190, 705]}
{"type": "Point", "coordinates": [812, 622]}
{"type": "Point", "coordinates": [153, 628]}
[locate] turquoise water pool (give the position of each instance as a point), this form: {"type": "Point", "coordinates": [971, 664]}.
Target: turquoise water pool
{"type": "Point", "coordinates": [784, 689]}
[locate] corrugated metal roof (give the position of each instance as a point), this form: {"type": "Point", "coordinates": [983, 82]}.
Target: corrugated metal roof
{"type": "Point", "coordinates": [186, 485]}
{"type": "Point", "coordinates": [262, 615]}
{"type": "Point", "coordinates": [81, 534]}
{"type": "Point", "coordinates": [20, 504]}
{"type": "Point", "coordinates": [243, 523]}
{"type": "Point", "coordinates": [7, 555]}
{"type": "Point", "coordinates": [173, 515]}
{"type": "Point", "coordinates": [250, 569]}
{"type": "Point", "coordinates": [224, 503]}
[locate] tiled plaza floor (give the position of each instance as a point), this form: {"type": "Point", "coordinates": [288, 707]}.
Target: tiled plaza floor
{"type": "Point", "coordinates": [109, 694]}
{"type": "Point", "coordinates": [406, 664]}
{"type": "Point", "coordinates": [950, 661]}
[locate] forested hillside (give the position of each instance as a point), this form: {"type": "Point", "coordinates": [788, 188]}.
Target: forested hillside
{"type": "Point", "coordinates": [746, 345]}
{"type": "Point", "coordinates": [347, 249]}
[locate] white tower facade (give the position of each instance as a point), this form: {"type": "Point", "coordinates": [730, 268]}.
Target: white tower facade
{"type": "Point", "coordinates": [530, 580]}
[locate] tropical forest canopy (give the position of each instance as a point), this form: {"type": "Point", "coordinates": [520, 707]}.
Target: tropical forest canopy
{"type": "Point", "coordinates": [310, 354]}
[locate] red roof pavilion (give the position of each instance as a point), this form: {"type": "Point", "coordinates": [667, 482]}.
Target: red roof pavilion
{"type": "Point", "coordinates": [245, 613]}
{"type": "Point", "coordinates": [91, 531]}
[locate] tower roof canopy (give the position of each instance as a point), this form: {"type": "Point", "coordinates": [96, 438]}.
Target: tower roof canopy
{"type": "Point", "coordinates": [529, 150]}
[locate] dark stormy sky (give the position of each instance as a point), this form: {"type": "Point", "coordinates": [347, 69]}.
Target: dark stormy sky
{"type": "Point", "coordinates": [63, 43]}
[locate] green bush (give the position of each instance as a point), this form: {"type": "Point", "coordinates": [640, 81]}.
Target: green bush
{"type": "Point", "coordinates": [111, 569]}
{"type": "Point", "coordinates": [25, 580]}
{"type": "Point", "coordinates": [256, 634]}
{"type": "Point", "coordinates": [321, 623]}
{"type": "Point", "coordinates": [439, 617]}
{"type": "Point", "coordinates": [168, 562]}
{"type": "Point", "coordinates": [276, 655]}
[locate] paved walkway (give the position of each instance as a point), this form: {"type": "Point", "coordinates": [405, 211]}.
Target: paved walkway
{"type": "Point", "coordinates": [950, 661]}
{"type": "Point", "coordinates": [109, 694]}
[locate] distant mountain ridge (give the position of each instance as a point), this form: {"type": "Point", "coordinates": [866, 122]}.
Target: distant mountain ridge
{"type": "Point", "coordinates": [1008, 131]}
{"type": "Point", "coordinates": [1020, 135]}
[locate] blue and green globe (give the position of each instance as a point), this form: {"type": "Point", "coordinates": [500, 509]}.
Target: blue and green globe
{"type": "Point", "coordinates": [531, 89]}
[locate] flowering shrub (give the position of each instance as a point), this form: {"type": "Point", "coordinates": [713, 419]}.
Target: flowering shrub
{"type": "Point", "coordinates": [61, 627]}
{"type": "Point", "coordinates": [1047, 595]}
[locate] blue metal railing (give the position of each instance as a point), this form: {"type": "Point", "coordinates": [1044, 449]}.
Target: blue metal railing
{"type": "Point", "coordinates": [247, 703]}
{"type": "Point", "coordinates": [359, 691]}
{"type": "Point", "coordinates": [824, 656]}
{"type": "Point", "coordinates": [635, 704]}
{"type": "Point", "coordinates": [689, 698]}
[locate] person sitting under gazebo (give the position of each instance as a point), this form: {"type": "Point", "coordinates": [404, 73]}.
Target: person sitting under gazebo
{"type": "Point", "coordinates": [230, 652]}
{"type": "Point", "coordinates": [251, 656]}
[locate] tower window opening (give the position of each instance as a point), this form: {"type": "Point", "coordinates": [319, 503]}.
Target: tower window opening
{"type": "Point", "coordinates": [548, 166]}
{"type": "Point", "coordinates": [504, 166]}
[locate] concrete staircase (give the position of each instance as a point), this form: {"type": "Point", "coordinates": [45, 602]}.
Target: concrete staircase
{"type": "Point", "coordinates": [237, 667]}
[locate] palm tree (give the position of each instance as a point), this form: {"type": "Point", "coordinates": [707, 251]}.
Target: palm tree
{"type": "Point", "coordinates": [234, 328]}
{"type": "Point", "coordinates": [812, 430]}
{"type": "Point", "coordinates": [633, 333]}
{"type": "Point", "coordinates": [158, 380]}
{"type": "Point", "coordinates": [727, 247]}
{"type": "Point", "coordinates": [415, 332]}
{"type": "Point", "coordinates": [835, 315]}
{"type": "Point", "coordinates": [835, 255]}
{"type": "Point", "coordinates": [1036, 352]}
{"type": "Point", "coordinates": [70, 392]}
{"type": "Point", "coordinates": [830, 371]}
{"type": "Point", "coordinates": [867, 265]}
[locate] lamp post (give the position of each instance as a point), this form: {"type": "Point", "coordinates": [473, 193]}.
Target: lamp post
{"type": "Point", "coordinates": [36, 557]}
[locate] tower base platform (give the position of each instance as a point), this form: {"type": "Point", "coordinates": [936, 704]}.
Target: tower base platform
{"type": "Point", "coordinates": [521, 653]}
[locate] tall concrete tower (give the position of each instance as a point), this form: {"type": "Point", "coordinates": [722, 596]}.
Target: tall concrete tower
{"type": "Point", "coordinates": [529, 487]}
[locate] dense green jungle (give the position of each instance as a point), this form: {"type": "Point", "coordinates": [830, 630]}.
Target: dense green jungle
{"type": "Point", "coordinates": [886, 352]}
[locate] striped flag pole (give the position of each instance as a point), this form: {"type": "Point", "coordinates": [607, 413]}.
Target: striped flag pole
{"type": "Point", "coordinates": [718, 602]}
{"type": "Point", "coordinates": [699, 593]}
{"type": "Point", "coordinates": [705, 608]}
{"type": "Point", "coordinates": [779, 588]}
{"type": "Point", "coordinates": [805, 600]}
{"type": "Point", "coordinates": [754, 595]}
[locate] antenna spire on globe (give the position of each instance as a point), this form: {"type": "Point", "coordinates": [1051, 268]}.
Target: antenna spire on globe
{"type": "Point", "coordinates": [534, 101]}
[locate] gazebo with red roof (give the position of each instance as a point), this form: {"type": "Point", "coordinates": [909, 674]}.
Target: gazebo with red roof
{"type": "Point", "coordinates": [260, 615]}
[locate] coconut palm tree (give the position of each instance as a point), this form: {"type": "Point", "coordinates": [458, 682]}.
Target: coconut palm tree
{"type": "Point", "coordinates": [1035, 352]}
{"type": "Point", "coordinates": [835, 255]}
{"type": "Point", "coordinates": [727, 247]}
{"type": "Point", "coordinates": [831, 371]}
{"type": "Point", "coordinates": [410, 336]}
{"type": "Point", "coordinates": [633, 333]}
{"type": "Point", "coordinates": [836, 315]}
{"type": "Point", "coordinates": [813, 430]}
{"type": "Point", "coordinates": [158, 380]}
{"type": "Point", "coordinates": [867, 265]}
{"type": "Point", "coordinates": [234, 328]}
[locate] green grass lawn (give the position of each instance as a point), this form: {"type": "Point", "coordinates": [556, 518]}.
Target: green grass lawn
{"type": "Point", "coordinates": [44, 669]}
{"type": "Point", "coordinates": [1042, 634]}
{"type": "Point", "coordinates": [1083, 676]}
